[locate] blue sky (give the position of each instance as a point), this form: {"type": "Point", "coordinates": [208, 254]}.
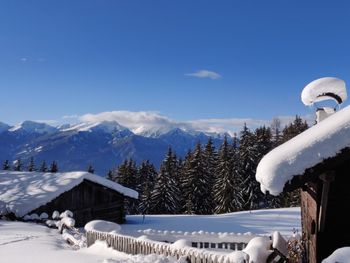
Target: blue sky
{"type": "Point", "coordinates": [60, 58]}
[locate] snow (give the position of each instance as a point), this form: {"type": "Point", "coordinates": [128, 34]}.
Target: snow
{"type": "Point", "coordinates": [316, 90]}
{"type": "Point", "coordinates": [102, 226]}
{"type": "Point", "coordinates": [38, 243]}
{"type": "Point", "coordinates": [341, 255]}
{"type": "Point", "coordinates": [258, 250]}
{"type": "Point", "coordinates": [105, 126]}
{"type": "Point", "coordinates": [44, 216]}
{"type": "Point", "coordinates": [31, 126]}
{"type": "Point", "coordinates": [260, 222]}
{"type": "Point", "coordinates": [324, 140]}
{"type": "Point", "coordinates": [22, 192]}
{"type": "Point", "coordinates": [279, 243]}
{"type": "Point", "coordinates": [27, 242]}
{"type": "Point", "coordinates": [69, 222]}
{"type": "Point", "coordinates": [55, 215]}
{"type": "Point", "coordinates": [66, 213]}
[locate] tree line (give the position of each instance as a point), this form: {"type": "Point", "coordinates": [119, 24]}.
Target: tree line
{"type": "Point", "coordinates": [208, 180]}
{"type": "Point", "coordinates": [18, 165]}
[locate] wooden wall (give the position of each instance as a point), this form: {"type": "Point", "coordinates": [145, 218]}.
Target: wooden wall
{"type": "Point", "coordinates": [309, 211]}
{"type": "Point", "coordinates": [88, 201]}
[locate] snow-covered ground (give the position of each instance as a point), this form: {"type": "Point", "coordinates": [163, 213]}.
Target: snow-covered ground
{"type": "Point", "coordinates": [257, 222]}
{"type": "Point", "coordinates": [26, 242]}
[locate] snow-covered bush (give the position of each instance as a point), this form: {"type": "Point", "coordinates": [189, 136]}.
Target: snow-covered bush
{"type": "Point", "coordinates": [66, 213]}
{"type": "Point", "coordinates": [34, 217]}
{"type": "Point", "coordinates": [55, 215]}
{"type": "Point", "coordinates": [43, 216]}
{"type": "Point", "coordinates": [258, 249]}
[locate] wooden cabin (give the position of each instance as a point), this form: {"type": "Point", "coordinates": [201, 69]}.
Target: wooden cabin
{"type": "Point", "coordinates": [318, 162]}
{"type": "Point", "coordinates": [88, 196]}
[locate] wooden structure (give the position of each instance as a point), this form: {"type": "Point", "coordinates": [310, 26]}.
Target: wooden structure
{"type": "Point", "coordinates": [325, 199]}
{"type": "Point", "coordinates": [133, 245]}
{"type": "Point", "coordinates": [88, 201]}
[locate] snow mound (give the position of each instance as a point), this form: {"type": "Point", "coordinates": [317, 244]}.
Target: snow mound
{"type": "Point", "coordinates": [44, 216]}
{"type": "Point", "coordinates": [102, 226]}
{"type": "Point", "coordinates": [68, 221]}
{"type": "Point", "coordinates": [238, 257]}
{"type": "Point", "coordinates": [340, 255]}
{"type": "Point", "coordinates": [324, 89]}
{"type": "Point", "coordinates": [258, 249]}
{"type": "Point", "coordinates": [66, 213]}
{"type": "Point", "coordinates": [55, 215]}
{"type": "Point", "coordinates": [279, 243]}
{"type": "Point", "coordinates": [23, 192]}
{"type": "Point", "coordinates": [181, 243]}
{"type": "Point", "coordinates": [324, 140]}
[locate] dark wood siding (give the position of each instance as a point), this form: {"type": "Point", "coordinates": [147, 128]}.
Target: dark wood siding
{"type": "Point", "coordinates": [88, 201]}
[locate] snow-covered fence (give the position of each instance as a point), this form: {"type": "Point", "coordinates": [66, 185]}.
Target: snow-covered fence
{"type": "Point", "coordinates": [201, 239]}
{"type": "Point", "coordinates": [132, 245]}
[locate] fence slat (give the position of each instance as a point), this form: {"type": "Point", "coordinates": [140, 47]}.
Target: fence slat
{"type": "Point", "coordinates": [131, 245]}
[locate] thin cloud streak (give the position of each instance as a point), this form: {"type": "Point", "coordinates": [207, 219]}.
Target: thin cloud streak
{"type": "Point", "coordinates": [204, 74]}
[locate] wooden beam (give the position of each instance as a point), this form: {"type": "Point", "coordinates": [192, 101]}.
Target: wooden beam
{"type": "Point", "coordinates": [327, 178]}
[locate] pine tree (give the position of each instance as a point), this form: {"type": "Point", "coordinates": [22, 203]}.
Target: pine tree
{"type": "Point", "coordinates": [294, 128]}
{"type": "Point", "coordinates": [43, 167]}
{"type": "Point", "coordinates": [6, 165]}
{"type": "Point", "coordinates": [210, 162]}
{"type": "Point", "coordinates": [17, 165]}
{"type": "Point", "coordinates": [31, 165]}
{"type": "Point", "coordinates": [225, 187]}
{"type": "Point", "coordinates": [195, 184]}
{"type": "Point", "coordinates": [147, 175]}
{"type": "Point", "coordinates": [111, 175]}
{"type": "Point", "coordinates": [90, 169]}
{"type": "Point", "coordinates": [248, 160]}
{"type": "Point", "coordinates": [165, 195]}
{"type": "Point", "coordinates": [127, 176]}
{"type": "Point", "coordinates": [53, 167]}
{"type": "Point", "coordinates": [276, 132]}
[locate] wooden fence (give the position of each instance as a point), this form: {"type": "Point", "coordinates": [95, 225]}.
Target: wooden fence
{"type": "Point", "coordinates": [132, 245]}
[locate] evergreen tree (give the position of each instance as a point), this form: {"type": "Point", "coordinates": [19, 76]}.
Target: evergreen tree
{"type": "Point", "coordinates": [196, 185]}
{"type": "Point", "coordinates": [17, 165]}
{"type": "Point", "coordinates": [111, 176]}
{"type": "Point", "coordinates": [184, 166]}
{"type": "Point", "coordinates": [147, 175]}
{"type": "Point", "coordinates": [225, 188]}
{"type": "Point", "coordinates": [276, 132]}
{"type": "Point", "coordinates": [210, 162]}
{"type": "Point", "coordinates": [165, 195]}
{"type": "Point", "coordinates": [6, 165]}
{"type": "Point", "coordinates": [53, 167]}
{"type": "Point", "coordinates": [91, 169]}
{"type": "Point", "coordinates": [288, 199]}
{"type": "Point", "coordinates": [127, 176]}
{"type": "Point", "coordinates": [43, 167]}
{"type": "Point", "coordinates": [248, 160]}
{"type": "Point", "coordinates": [31, 165]}
{"type": "Point", "coordinates": [294, 128]}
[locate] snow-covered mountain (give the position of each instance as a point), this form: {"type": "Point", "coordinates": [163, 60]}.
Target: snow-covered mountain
{"type": "Point", "coordinates": [104, 145]}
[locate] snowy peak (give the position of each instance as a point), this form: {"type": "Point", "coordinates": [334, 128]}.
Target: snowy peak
{"type": "Point", "coordinates": [33, 127]}
{"type": "Point", "coordinates": [104, 126]}
{"type": "Point", "coordinates": [4, 127]}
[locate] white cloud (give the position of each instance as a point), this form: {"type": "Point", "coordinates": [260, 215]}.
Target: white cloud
{"type": "Point", "coordinates": [49, 122]}
{"type": "Point", "coordinates": [73, 116]}
{"type": "Point", "coordinates": [143, 121]}
{"type": "Point", "coordinates": [23, 59]}
{"type": "Point", "coordinates": [204, 74]}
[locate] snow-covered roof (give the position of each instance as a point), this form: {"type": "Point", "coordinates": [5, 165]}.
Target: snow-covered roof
{"type": "Point", "coordinates": [324, 140]}
{"type": "Point", "coordinates": [22, 192]}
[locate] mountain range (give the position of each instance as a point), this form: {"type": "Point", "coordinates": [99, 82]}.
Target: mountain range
{"type": "Point", "coordinates": [104, 145]}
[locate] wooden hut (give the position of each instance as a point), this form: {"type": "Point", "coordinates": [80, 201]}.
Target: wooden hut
{"type": "Point", "coordinates": [88, 196]}
{"type": "Point", "coordinates": [318, 162]}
